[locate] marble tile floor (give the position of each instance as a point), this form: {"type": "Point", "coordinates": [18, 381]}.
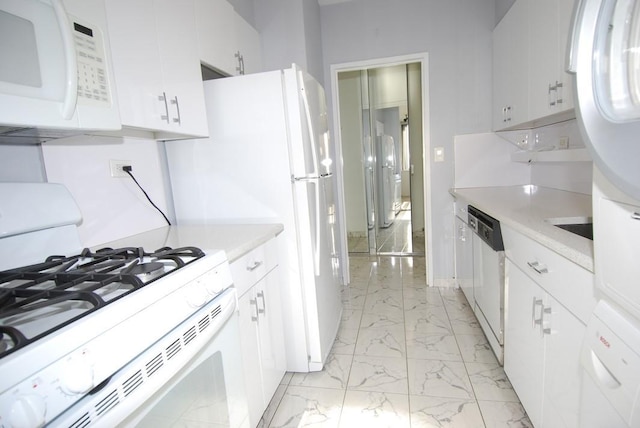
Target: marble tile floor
{"type": "Point", "coordinates": [397, 238]}
{"type": "Point", "coordinates": [405, 356]}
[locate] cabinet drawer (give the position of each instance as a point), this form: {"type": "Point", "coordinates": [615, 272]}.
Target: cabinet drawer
{"type": "Point", "coordinates": [461, 210]}
{"type": "Point", "coordinates": [248, 269]}
{"type": "Point", "coordinates": [568, 283]}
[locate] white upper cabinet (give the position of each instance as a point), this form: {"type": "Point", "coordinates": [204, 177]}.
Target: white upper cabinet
{"type": "Point", "coordinates": [551, 87]}
{"type": "Point", "coordinates": [248, 47]}
{"type": "Point", "coordinates": [157, 67]}
{"type": "Point", "coordinates": [530, 86]}
{"type": "Point", "coordinates": [226, 42]}
{"type": "Point", "coordinates": [510, 71]}
{"type": "Point", "coordinates": [215, 27]}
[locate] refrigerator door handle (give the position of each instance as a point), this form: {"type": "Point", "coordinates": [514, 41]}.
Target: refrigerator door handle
{"type": "Point", "coordinates": [307, 111]}
{"type": "Point", "coordinates": [312, 177]}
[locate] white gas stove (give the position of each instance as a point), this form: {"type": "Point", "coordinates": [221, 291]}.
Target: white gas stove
{"type": "Point", "coordinates": [71, 324]}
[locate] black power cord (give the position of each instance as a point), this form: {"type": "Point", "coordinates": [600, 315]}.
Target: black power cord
{"type": "Point", "coordinates": [127, 169]}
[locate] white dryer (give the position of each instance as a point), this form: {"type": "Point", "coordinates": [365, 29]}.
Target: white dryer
{"type": "Point", "coordinates": [610, 395]}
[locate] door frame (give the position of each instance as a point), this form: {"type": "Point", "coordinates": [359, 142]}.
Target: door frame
{"type": "Point", "coordinates": [423, 59]}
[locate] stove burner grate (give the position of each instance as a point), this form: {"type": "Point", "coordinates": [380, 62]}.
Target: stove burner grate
{"type": "Point", "coordinates": [87, 282]}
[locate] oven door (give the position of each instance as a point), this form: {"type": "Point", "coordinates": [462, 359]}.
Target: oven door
{"type": "Point", "coordinates": [192, 377]}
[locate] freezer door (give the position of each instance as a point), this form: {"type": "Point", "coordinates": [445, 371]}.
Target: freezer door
{"type": "Point", "coordinates": [310, 153]}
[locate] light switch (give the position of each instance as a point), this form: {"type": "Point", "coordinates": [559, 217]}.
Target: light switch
{"type": "Point", "coordinates": [438, 154]}
{"type": "Point", "coordinates": [563, 143]}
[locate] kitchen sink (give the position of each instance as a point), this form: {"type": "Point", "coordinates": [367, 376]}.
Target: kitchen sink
{"type": "Point", "coordinates": [582, 226]}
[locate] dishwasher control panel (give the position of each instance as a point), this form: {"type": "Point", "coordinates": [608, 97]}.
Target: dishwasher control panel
{"type": "Point", "coordinates": [486, 227]}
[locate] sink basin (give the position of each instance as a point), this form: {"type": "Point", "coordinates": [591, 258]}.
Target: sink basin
{"type": "Point", "coordinates": [581, 226]}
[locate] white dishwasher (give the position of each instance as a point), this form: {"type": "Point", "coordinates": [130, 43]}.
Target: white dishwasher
{"type": "Point", "coordinates": [488, 277]}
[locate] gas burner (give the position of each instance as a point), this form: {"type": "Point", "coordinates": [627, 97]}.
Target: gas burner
{"type": "Point", "coordinates": [39, 299]}
{"type": "Point", "coordinates": [147, 271]}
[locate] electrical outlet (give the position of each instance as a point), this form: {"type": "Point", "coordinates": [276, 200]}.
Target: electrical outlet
{"type": "Point", "coordinates": [563, 143]}
{"type": "Point", "coordinates": [115, 166]}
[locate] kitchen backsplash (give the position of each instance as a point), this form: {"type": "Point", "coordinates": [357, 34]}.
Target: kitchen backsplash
{"type": "Point", "coordinates": [111, 208]}
{"type": "Point", "coordinates": [21, 163]}
{"type": "Point", "coordinates": [485, 159]}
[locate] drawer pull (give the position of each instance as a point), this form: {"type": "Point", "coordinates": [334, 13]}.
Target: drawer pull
{"type": "Point", "coordinates": [254, 266]}
{"type": "Point", "coordinates": [538, 267]}
{"type": "Point", "coordinates": [635, 216]}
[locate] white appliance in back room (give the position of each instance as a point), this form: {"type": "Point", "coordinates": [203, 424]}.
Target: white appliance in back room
{"type": "Point", "coordinates": [605, 56]}
{"type": "Point", "coordinates": [387, 179]}
{"type": "Point", "coordinates": [268, 160]}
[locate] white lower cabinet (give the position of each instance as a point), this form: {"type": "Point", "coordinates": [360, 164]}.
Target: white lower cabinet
{"type": "Point", "coordinates": [544, 331]}
{"type": "Point", "coordinates": [464, 259]}
{"type": "Point", "coordinates": [523, 342]}
{"type": "Point", "coordinates": [261, 333]}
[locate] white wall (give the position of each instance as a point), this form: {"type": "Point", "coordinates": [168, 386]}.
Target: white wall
{"type": "Point", "coordinates": [290, 32]}
{"type": "Point", "coordinates": [484, 160]}
{"type": "Point", "coordinates": [111, 208]}
{"type": "Point", "coordinates": [352, 151]}
{"type": "Point", "coordinates": [502, 7]}
{"type": "Point", "coordinates": [21, 163]}
{"type": "Point", "coordinates": [457, 36]}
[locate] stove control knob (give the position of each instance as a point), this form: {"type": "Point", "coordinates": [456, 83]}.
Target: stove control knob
{"type": "Point", "coordinates": [213, 282]}
{"type": "Point", "coordinates": [77, 376]}
{"type": "Point", "coordinates": [28, 411]}
{"type": "Point", "coordinates": [196, 295]}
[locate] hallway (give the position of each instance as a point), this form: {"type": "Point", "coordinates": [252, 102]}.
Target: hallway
{"type": "Point", "coordinates": [405, 356]}
{"type": "Point", "coordinates": [399, 238]}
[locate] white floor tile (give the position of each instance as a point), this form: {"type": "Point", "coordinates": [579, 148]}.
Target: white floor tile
{"type": "Point", "coordinates": [439, 379]}
{"type": "Point", "coordinates": [504, 415]}
{"type": "Point", "coordinates": [405, 355]}
{"type": "Point", "coordinates": [378, 374]}
{"type": "Point", "coordinates": [435, 412]}
{"type": "Point", "coordinates": [375, 410]}
{"type": "Point", "coordinates": [309, 407]}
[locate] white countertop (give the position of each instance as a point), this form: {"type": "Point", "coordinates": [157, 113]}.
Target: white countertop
{"type": "Point", "coordinates": [235, 239]}
{"type": "Point", "coordinates": [525, 208]}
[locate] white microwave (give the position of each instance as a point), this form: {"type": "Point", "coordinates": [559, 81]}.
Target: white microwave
{"type": "Point", "coordinates": [56, 77]}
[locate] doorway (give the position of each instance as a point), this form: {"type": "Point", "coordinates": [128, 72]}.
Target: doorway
{"type": "Point", "coordinates": [380, 113]}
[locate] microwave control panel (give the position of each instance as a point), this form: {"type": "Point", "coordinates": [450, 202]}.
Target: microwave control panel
{"type": "Point", "coordinates": [93, 81]}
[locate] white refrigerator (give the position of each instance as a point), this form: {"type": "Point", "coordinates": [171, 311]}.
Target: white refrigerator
{"type": "Point", "coordinates": [268, 160]}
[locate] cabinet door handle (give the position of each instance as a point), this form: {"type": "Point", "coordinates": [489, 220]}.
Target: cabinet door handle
{"type": "Point", "coordinates": [254, 266]}
{"type": "Point", "coordinates": [264, 306]}
{"type": "Point", "coordinates": [538, 267]}
{"type": "Point", "coordinates": [559, 86]}
{"type": "Point", "coordinates": [178, 119]}
{"type": "Point", "coordinates": [543, 330]}
{"type": "Point", "coordinates": [254, 302]}
{"type": "Point", "coordinates": [240, 66]}
{"type": "Point", "coordinates": [163, 98]}
{"type": "Point", "coordinates": [534, 321]}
